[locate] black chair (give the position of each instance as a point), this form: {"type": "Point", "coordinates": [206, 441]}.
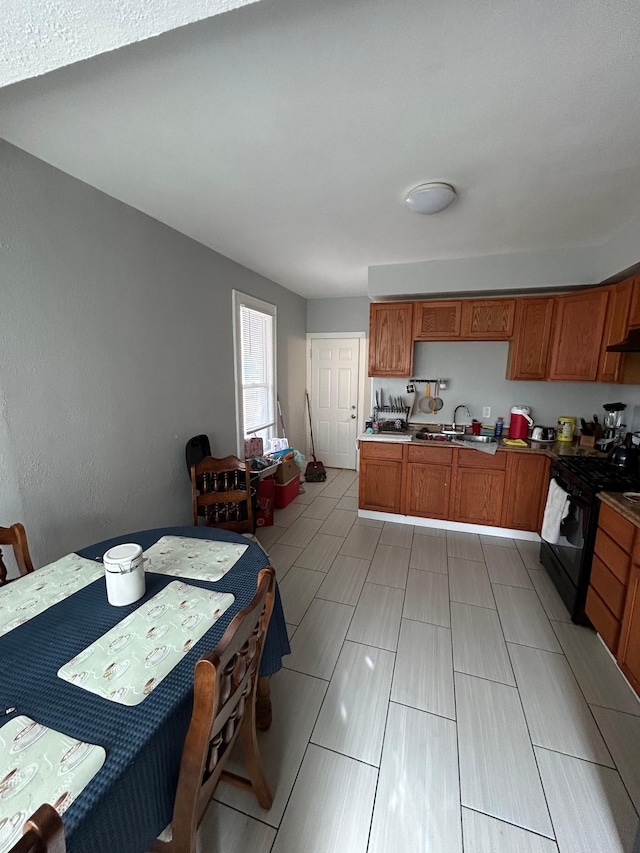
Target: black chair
{"type": "Point", "coordinates": [197, 449]}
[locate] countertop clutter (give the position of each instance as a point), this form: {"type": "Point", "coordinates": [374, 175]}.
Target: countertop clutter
{"type": "Point", "coordinates": [552, 450]}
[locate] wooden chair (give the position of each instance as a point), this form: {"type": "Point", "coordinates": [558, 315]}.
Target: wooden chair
{"type": "Point", "coordinates": [221, 493]}
{"type": "Point", "coordinates": [43, 833]}
{"type": "Point", "coordinates": [16, 537]}
{"type": "Point", "coordinates": [223, 711]}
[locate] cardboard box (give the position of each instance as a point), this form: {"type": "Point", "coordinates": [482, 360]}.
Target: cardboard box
{"type": "Point", "coordinates": [287, 492]}
{"type": "Point", "coordinates": [286, 471]}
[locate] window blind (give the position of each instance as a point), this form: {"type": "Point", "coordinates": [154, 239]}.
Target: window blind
{"type": "Point", "coordinates": [258, 374]}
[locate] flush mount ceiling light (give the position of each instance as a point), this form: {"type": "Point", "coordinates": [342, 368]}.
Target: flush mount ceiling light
{"type": "Point", "coordinates": [430, 198]}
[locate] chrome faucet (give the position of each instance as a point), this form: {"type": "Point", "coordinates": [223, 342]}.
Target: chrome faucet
{"type": "Point", "coordinates": [455, 411]}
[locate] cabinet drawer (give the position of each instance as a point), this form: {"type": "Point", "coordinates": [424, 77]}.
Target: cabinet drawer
{"type": "Point", "coordinates": [381, 450]}
{"type": "Point", "coordinates": [603, 620]}
{"type": "Point", "coordinates": [437, 455]}
{"type": "Point", "coordinates": [618, 528]}
{"type": "Point", "coordinates": [608, 587]}
{"type": "Point", "coordinates": [612, 555]}
{"type": "Point", "coordinates": [474, 459]}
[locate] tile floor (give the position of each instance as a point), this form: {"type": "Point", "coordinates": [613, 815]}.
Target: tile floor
{"type": "Point", "coordinates": [437, 698]}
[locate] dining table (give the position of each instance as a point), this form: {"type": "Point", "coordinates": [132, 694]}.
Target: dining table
{"type": "Point", "coordinates": [129, 800]}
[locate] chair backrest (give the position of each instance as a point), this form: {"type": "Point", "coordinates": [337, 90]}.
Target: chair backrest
{"type": "Point", "coordinates": [17, 538]}
{"type": "Point", "coordinates": [221, 493]}
{"type": "Point", "coordinates": [43, 833]}
{"type": "Point", "coordinates": [224, 691]}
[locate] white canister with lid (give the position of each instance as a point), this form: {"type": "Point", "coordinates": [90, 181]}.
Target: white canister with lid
{"type": "Point", "coordinates": [124, 574]}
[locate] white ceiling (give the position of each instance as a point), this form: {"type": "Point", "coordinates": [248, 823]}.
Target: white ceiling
{"type": "Point", "coordinates": [39, 36]}
{"type": "Point", "coordinates": [284, 134]}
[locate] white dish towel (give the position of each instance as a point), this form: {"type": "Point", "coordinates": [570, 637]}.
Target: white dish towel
{"type": "Point", "coordinates": [555, 512]}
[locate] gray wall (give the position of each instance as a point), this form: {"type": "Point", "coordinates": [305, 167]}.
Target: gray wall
{"type": "Point", "coordinates": [349, 314]}
{"type": "Point", "coordinates": [116, 347]}
{"type": "Point", "coordinates": [476, 373]}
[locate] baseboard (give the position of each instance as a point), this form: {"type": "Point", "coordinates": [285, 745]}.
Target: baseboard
{"type": "Point", "coordinates": [459, 526]}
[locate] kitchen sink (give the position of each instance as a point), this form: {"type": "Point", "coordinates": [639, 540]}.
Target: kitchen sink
{"type": "Point", "coordinates": [478, 439]}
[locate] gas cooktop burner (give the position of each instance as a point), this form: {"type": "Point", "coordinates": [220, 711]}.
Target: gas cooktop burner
{"type": "Point", "coordinates": [600, 473]}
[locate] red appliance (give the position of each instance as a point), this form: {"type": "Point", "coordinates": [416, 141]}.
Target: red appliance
{"type": "Point", "coordinates": [520, 422]}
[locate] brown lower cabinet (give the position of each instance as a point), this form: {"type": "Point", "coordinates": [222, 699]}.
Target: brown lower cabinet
{"type": "Point", "coordinates": [381, 468]}
{"type": "Point", "coordinates": [629, 653]}
{"type": "Point", "coordinates": [479, 488]}
{"type": "Point", "coordinates": [610, 575]}
{"type": "Point", "coordinates": [435, 481]}
{"type": "Point", "coordinates": [478, 496]}
{"type": "Point", "coordinates": [613, 599]}
{"type": "Point", "coordinates": [427, 490]}
{"type": "Point", "coordinates": [526, 493]}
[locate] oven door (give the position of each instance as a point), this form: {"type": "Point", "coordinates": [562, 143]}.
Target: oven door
{"type": "Point", "coordinates": [574, 532]}
{"type": "Point", "coordinates": [567, 561]}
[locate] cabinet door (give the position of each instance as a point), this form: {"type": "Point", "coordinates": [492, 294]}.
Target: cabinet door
{"type": "Point", "coordinates": [529, 348]}
{"type": "Point", "coordinates": [629, 648]}
{"type": "Point", "coordinates": [478, 496]}
{"type": "Point", "coordinates": [427, 490]}
{"type": "Point", "coordinates": [577, 338]}
{"type": "Point", "coordinates": [437, 321]}
{"type": "Point", "coordinates": [634, 316]}
{"type": "Point", "coordinates": [527, 485]}
{"type": "Point", "coordinates": [615, 330]}
{"type": "Point", "coordinates": [390, 339]}
{"type": "Point", "coordinates": [488, 319]}
{"type": "Point", "coordinates": [380, 485]}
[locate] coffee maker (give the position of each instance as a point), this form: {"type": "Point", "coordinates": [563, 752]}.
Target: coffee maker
{"type": "Point", "coordinates": [613, 426]}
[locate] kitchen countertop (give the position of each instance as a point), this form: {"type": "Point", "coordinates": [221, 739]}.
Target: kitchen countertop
{"type": "Point", "coordinates": [557, 448]}
{"type": "Point", "coordinates": [628, 510]}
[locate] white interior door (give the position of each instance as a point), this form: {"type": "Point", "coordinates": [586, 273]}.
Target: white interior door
{"type": "Point", "coordinates": [334, 399]}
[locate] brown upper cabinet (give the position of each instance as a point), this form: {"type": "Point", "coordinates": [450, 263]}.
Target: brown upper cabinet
{"type": "Point", "coordinates": [488, 319]}
{"type": "Point", "coordinates": [390, 339]}
{"type": "Point", "coordinates": [615, 329]}
{"type": "Point", "coordinates": [464, 320]}
{"type": "Point", "coordinates": [634, 315]}
{"type": "Point", "coordinates": [562, 338]}
{"type": "Point", "coordinates": [529, 348]}
{"type": "Point", "coordinates": [437, 321]}
{"type": "Point", "coordinates": [577, 338]}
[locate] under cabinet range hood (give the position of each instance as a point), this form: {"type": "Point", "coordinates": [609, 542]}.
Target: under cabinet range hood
{"type": "Point", "coordinates": [630, 344]}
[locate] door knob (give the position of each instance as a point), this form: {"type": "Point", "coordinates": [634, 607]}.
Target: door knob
{"type": "Point", "coordinates": [353, 416]}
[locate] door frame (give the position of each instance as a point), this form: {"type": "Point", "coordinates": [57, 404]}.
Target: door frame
{"type": "Point", "coordinates": [363, 379]}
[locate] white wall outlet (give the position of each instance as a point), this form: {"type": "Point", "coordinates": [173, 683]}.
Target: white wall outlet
{"type": "Point", "coordinates": [486, 411]}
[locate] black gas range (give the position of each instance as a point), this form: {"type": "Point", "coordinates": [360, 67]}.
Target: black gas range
{"type": "Point", "coordinates": [568, 561]}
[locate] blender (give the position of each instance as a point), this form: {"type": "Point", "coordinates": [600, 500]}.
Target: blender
{"type": "Point", "coordinates": [613, 426]}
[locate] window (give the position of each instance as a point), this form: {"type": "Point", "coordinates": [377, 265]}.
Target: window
{"type": "Point", "coordinates": [255, 353]}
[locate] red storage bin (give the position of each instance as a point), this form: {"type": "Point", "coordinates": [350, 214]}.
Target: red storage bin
{"type": "Point", "coordinates": [264, 515]}
{"type": "Point", "coordinates": [287, 492]}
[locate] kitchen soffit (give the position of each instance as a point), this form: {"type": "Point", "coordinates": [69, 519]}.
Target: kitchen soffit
{"type": "Point", "coordinates": [284, 134]}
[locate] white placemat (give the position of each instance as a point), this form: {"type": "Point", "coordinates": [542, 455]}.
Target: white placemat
{"type": "Point", "coordinates": [30, 595]}
{"type": "Point", "coordinates": [199, 559]}
{"type": "Point", "coordinates": [40, 765]}
{"type": "Point", "coordinates": [131, 659]}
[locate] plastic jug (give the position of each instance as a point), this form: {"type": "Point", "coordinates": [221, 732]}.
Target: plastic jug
{"type": "Point", "coordinates": [520, 421]}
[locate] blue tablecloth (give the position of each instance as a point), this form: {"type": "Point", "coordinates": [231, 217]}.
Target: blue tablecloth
{"type": "Point", "coordinates": [130, 800]}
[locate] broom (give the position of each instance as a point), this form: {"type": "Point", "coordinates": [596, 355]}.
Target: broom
{"type": "Point", "coordinates": [316, 472]}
